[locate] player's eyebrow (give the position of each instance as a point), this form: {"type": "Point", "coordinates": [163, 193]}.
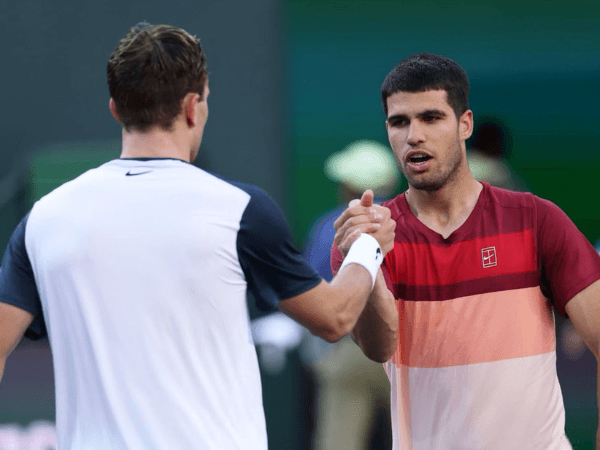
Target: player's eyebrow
{"type": "Point", "coordinates": [396, 117]}
{"type": "Point", "coordinates": [432, 112]}
{"type": "Point", "coordinates": [425, 113]}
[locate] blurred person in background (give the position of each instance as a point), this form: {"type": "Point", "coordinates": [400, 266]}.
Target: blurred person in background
{"type": "Point", "coordinates": [138, 272]}
{"type": "Point", "coordinates": [488, 151]}
{"type": "Point", "coordinates": [475, 272]}
{"type": "Point", "coordinates": [352, 392]}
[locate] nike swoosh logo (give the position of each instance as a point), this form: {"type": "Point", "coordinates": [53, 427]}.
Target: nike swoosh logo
{"type": "Point", "coordinates": [129, 174]}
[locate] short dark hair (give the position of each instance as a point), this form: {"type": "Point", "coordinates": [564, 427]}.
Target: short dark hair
{"type": "Point", "coordinates": [150, 72]}
{"type": "Point", "coordinates": [424, 72]}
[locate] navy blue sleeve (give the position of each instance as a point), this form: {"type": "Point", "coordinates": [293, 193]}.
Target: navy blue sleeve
{"type": "Point", "coordinates": [17, 283]}
{"type": "Point", "coordinates": [274, 268]}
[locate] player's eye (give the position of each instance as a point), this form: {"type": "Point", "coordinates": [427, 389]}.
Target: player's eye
{"type": "Point", "coordinates": [398, 122]}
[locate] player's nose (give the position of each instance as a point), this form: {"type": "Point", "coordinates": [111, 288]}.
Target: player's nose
{"type": "Point", "coordinates": [415, 134]}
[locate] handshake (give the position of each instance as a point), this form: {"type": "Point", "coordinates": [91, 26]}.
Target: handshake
{"type": "Point", "coordinates": [362, 216]}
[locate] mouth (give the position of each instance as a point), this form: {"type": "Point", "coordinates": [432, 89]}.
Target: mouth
{"type": "Point", "coordinates": [417, 158]}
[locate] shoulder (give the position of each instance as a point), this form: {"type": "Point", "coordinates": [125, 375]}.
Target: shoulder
{"type": "Point", "coordinates": [542, 207]}
{"type": "Point", "coordinates": [541, 212]}
{"type": "Point", "coordinates": [61, 201]}
{"type": "Point", "coordinates": [509, 199]}
{"type": "Point", "coordinates": [262, 221]}
{"type": "Point", "coordinates": [69, 187]}
{"type": "Point", "coordinates": [255, 193]}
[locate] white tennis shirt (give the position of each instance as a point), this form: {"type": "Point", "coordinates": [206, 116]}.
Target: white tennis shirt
{"type": "Point", "coordinates": [141, 269]}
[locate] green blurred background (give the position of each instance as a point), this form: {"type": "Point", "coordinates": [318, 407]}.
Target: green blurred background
{"type": "Point", "coordinates": [536, 64]}
{"type": "Point", "coordinates": [292, 82]}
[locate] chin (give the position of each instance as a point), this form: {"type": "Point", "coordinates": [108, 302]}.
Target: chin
{"type": "Point", "coordinates": [427, 185]}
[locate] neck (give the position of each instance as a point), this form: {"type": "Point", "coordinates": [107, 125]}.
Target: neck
{"type": "Point", "coordinates": [155, 143]}
{"type": "Point", "coordinates": [446, 209]}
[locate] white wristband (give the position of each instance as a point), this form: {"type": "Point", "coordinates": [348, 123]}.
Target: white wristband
{"type": "Point", "coordinates": [366, 252]}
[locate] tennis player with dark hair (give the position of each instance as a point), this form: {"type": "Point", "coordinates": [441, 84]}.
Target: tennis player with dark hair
{"type": "Point", "coordinates": [475, 271]}
{"type": "Point", "coordinates": [138, 272]}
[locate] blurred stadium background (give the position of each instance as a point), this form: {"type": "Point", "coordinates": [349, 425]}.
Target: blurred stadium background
{"type": "Point", "coordinates": [291, 82]}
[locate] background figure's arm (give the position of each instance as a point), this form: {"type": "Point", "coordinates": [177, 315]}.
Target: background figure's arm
{"type": "Point", "coordinates": [376, 331]}
{"type": "Point", "coordinates": [13, 324]}
{"type": "Point", "coordinates": [584, 311]}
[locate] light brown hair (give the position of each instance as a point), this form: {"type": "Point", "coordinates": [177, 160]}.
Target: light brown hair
{"type": "Point", "coordinates": [149, 73]}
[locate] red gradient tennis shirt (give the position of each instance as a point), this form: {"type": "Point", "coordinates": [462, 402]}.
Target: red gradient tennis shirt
{"type": "Point", "coordinates": [475, 366]}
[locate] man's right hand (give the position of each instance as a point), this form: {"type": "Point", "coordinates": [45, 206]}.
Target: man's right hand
{"type": "Point", "coordinates": [362, 216]}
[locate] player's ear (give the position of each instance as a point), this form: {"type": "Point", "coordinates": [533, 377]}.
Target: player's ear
{"type": "Point", "coordinates": [113, 110]}
{"type": "Point", "coordinates": [465, 125]}
{"type": "Point", "coordinates": [189, 108]}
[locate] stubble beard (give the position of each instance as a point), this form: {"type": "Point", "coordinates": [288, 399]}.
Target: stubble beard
{"type": "Point", "coordinates": [437, 180]}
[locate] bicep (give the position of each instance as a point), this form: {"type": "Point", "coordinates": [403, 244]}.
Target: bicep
{"type": "Point", "coordinates": [569, 263]}
{"type": "Point", "coordinates": [18, 286]}
{"type": "Point", "coordinates": [584, 311]}
{"type": "Point", "coordinates": [273, 267]}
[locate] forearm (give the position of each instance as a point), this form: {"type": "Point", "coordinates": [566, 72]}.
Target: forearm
{"type": "Point", "coordinates": [376, 330]}
{"type": "Point", "coordinates": [347, 297]}
{"type": "Point", "coordinates": [330, 310]}
{"type": "Point", "coordinates": [350, 293]}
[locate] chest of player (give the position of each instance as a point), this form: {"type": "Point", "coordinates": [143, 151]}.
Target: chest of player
{"type": "Point", "coordinates": [457, 303]}
{"type": "Point", "coordinates": [420, 270]}
{"type": "Point", "coordinates": [474, 297]}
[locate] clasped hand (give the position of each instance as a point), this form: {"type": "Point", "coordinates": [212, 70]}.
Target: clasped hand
{"type": "Point", "coordinates": [362, 216]}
